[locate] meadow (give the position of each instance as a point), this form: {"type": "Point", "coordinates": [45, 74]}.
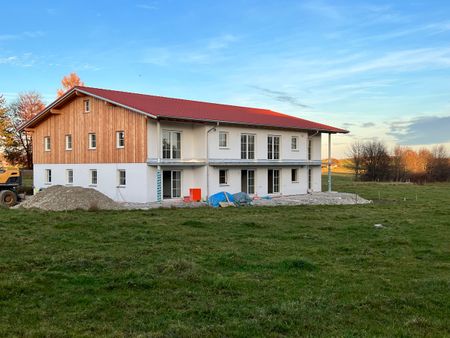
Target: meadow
{"type": "Point", "coordinates": [237, 272]}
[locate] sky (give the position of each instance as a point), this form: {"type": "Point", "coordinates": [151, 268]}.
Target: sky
{"type": "Point", "coordinates": [380, 69]}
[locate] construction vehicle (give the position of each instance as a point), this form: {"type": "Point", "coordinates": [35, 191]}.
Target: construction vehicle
{"type": "Point", "coordinates": [10, 181]}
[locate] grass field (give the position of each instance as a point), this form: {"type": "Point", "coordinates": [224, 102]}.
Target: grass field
{"type": "Point", "coordinates": [283, 271]}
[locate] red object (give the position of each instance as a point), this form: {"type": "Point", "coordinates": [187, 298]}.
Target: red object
{"type": "Point", "coordinates": [165, 107]}
{"type": "Point", "coordinates": [186, 199]}
{"type": "Point", "coordinates": [195, 194]}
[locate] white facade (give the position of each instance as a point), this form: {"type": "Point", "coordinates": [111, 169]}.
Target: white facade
{"type": "Point", "coordinates": [199, 164]}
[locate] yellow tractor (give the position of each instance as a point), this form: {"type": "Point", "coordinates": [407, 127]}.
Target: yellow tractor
{"type": "Point", "coordinates": [10, 180]}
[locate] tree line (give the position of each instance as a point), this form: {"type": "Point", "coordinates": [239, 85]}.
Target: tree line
{"type": "Point", "coordinates": [16, 145]}
{"type": "Point", "coordinates": [372, 161]}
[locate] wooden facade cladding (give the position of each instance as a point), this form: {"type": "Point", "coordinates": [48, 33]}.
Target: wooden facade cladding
{"type": "Point", "coordinates": [104, 120]}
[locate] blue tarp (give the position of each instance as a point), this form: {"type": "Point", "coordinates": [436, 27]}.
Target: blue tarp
{"type": "Point", "coordinates": [215, 199]}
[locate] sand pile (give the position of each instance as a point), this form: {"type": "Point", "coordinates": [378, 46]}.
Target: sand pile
{"type": "Point", "coordinates": [60, 198]}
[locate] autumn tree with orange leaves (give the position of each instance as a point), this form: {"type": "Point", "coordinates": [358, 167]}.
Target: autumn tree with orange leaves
{"type": "Point", "coordinates": [14, 143]}
{"type": "Point", "coordinates": [68, 82]}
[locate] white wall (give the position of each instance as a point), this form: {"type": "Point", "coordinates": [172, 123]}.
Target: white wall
{"type": "Point", "coordinates": [137, 188]}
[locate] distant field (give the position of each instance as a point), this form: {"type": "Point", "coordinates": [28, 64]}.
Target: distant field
{"type": "Point", "coordinates": [273, 271]}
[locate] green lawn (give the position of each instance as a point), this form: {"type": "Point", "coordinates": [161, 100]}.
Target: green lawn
{"type": "Point", "coordinates": [280, 271]}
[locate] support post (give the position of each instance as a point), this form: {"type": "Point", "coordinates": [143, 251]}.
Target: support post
{"type": "Point", "coordinates": [329, 162]}
{"type": "Point", "coordinates": [158, 170]}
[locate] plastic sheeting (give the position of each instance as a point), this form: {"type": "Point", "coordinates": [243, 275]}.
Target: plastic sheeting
{"type": "Point", "coordinates": [242, 198]}
{"type": "Point", "coordinates": [215, 199]}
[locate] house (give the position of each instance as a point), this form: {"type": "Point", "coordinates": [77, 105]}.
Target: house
{"type": "Point", "coordinates": [143, 148]}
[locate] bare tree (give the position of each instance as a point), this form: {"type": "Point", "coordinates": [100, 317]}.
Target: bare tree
{"type": "Point", "coordinates": [356, 153]}
{"type": "Point", "coordinates": [438, 167]}
{"type": "Point", "coordinates": [376, 161]}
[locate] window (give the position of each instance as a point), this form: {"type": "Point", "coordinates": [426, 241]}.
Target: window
{"type": "Point", "coordinates": [294, 143]}
{"type": "Point", "coordinates": [273, 147]}
{"type": "Point", "coordinates": [68, 142]}
{"type": "Point", "coordinates": [223, 177]}
{"type": "Point", "coordinates": [309, 179]}
{"type": "Point", "coordinates": [87, 106]}
{"type": "Point", "coordinates": [69, 176]}
{"type": "Point", "coordinates": [122, 177]}
{"type": "Point", "coordinates": [171, 144]}
{"type": "Point", "coordinates": [248, 181]}
{"type": "Point", "coordinates": [92, 141]}
{"type": "Point", "coordinates": [294, 175]}
{"type": "Point", "coordinates": [273, 181]}
{"type": "Point", "coordinates": [48, 176]}
{"type": "Point", "coordinates": [247, 146]}
{"type": "Point", "coordinates": [309, 149]}
{"type": "Point", "coordinates": [223, 139]}
{"type": "Point", "coordinates": [47, 146]}
{"type": "Point", "coordinates": [93, 174]}
{"type": "Point", "coordinates": [171, 184]}
{"type": "Point", "coordinates": [120, 139]}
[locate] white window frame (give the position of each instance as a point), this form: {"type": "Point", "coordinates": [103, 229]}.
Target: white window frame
{"type": "Point", "coordinates": [47, 144]}
{"type": "Point", "coordinates": [271, 147]}
{"type": "Point", "coordinates": [69, 137]}
{"type": "Point", "coordinates": [119, 139]}
{"type": "Point", "coordinates": [119, 178]}
{"type": "Point", "coordinates": [91, 177]}
{"type": "Point", "coordinates": [48, 176]}
{"type": "Point", "coordinates": [296, 175]}
{"type": "Point", "coordinates": [87, 106]}
{"type": "Point", "coordinates": [69, 176]}
{"type": "Point", "coordinates": [245, 146]}
{"type": "Point", "coordinates": [274, 192]}
{"type": "Point", "coordinates": [227, 137]}
{"type": "Point", "coordinates": [226, 177]}
{"type": "Point", "coordinates": [91, 137]}
{"type": "Point", "coordinates": [171, 134]}
{"type": "Point", "coordinates": [296, 143]}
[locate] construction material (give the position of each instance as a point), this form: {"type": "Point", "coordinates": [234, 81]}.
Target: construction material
{"type": "Point", "coordinates": [242, 198]}
{"type": "Point", "coordinates": [61, 198]}
{"type": "Point", "coordinates": [224, 197]}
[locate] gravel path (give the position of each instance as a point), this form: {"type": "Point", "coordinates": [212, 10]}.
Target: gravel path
{"type": "Point", "coordinates": [319, 198]}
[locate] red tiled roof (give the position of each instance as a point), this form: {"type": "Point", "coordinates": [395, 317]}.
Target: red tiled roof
{"type": "Point", "coordinates": [165, 107]}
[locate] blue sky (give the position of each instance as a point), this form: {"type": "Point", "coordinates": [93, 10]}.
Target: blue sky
{"type": "Point", "coordinates": [378, 68]}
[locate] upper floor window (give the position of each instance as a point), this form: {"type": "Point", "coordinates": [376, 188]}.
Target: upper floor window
{"type": "Point", "coordinates": [120, 139]}
{"type": "Point", "coordinates": [309, 150]}
{"type": "Point", "coordinates": [94, 176]}
{"type": "Point", "coordinates": [69, 176]}
{"type": "Point", "coordinates": [223, 139]}
{"type": "Point", "coordinates": [294, 143]}
{"type": "Point", "coordinates": [47, 145]}
{"type": "Point", "coordinates": [171, 144]}
{"type": "Point", "coordinates": [68, 142]}
{"type": "Point", "coordinates": [122, 177]}
{"type": "Point", "coordinates": [273, 147]}
{"type": "Point", "coordinates": [247, 146]}
{"type": "Point", "coordinates": [87, 106]}
{"type": "Point", "coordinates": [92, 141]}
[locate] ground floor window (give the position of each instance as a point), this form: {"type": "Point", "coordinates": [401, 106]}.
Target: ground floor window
{"type": "Point", "coordinates": [48, 176]}
{"type": "Point", "coordinates": [309, 179]}
{"type": "Point", "coordinates": [273, 181]}
{"type": "Point", "coordinates": [69, 176]}
{"type": "Point", "coordinates": [171, 184]}
{"type": "Point", "coordinates": [248, 181]}
{"type": "Point", "coordinates": [294, 175]}
{"type": "Point", "coordinates": [223, 177]}
{"type": "Point", "coordinates": [94, 177]}
{"type": "Point", "coordinates": [122, 177]}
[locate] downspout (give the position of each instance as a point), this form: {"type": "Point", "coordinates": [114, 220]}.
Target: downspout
{"type": "Point", "coordinates": [158, 171]}
{"type": "Point", "coordinates": [329, 162]}
{"type": "Point", "coordinates": [207, 158]}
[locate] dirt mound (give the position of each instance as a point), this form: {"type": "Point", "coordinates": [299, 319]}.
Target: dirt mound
{"type": "Point", "coordinates": [60, 198]}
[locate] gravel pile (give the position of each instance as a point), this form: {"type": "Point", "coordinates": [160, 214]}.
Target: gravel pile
{"type": "Point", "coordinates": [61, 198]}
{"type": "Point", "coordinates": [318, 198]}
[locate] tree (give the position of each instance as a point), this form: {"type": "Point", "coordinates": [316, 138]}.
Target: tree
{"type": "Point", "coordinates": [438, 168]}
{"type": "Point", "coordinates": [398, 164]}
{"type": "Point", "coordinates": [356, 154]}
{"type": "Point", "coordinates": [68, 82]}
{"type": "Point", "coordinates": [376, 161]}
{"type": "Point", "coordinates": [17, 144]}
